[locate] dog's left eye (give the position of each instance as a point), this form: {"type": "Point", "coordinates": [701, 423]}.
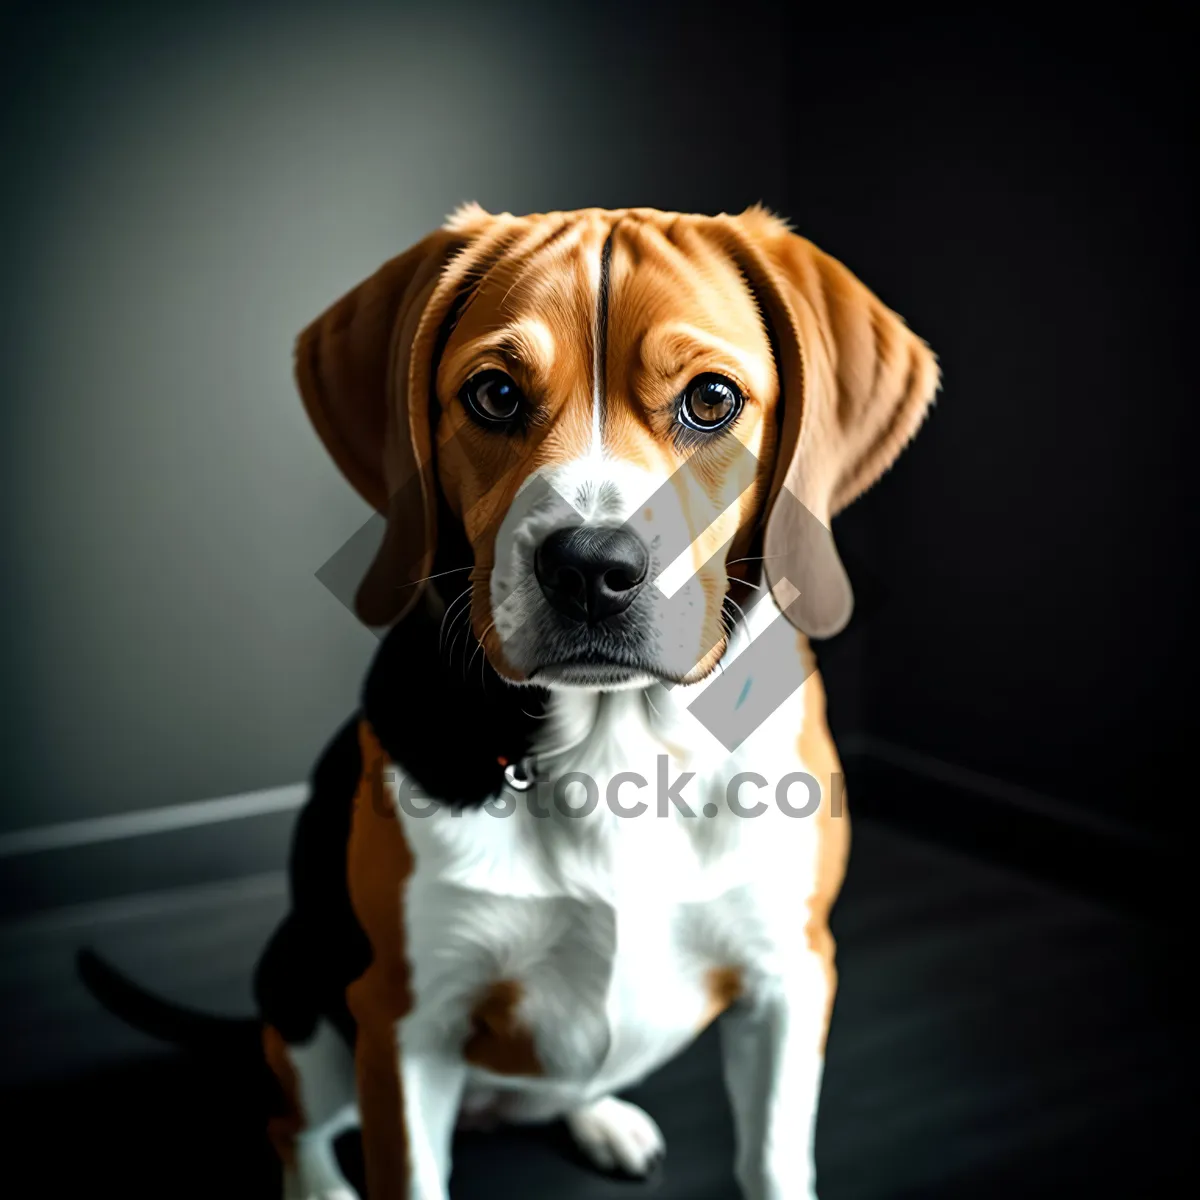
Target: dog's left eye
{"type": "Point", "coordinates": [709, 402]}
{"type": "Point", "coordinates": [492, 398]}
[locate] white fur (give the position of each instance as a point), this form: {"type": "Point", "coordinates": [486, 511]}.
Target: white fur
{"type": "Point", "coordinates": [598, 351]}
{"type": "Point", "coordinates": [617, 1135]}
{"type": "Point", "coordinates": [324, 1069]}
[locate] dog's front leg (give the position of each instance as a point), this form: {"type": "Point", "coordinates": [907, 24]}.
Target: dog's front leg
{"type": "Point", "coordinates": [773, 1049]}
{"type": "Point", "coordinates": [408, 1101]}
{"type": "Point", "coordinates": [432, 1084]}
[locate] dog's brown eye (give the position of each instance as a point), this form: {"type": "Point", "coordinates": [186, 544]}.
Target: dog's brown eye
{"type": "Point", "coordinates": [493, 398]}
{"type": "Point", "coordinates": [709, 402]}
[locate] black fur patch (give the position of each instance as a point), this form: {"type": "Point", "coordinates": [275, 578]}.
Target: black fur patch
{"type": "Point", "coordinates": [320, 948]}
{"type": "Point", "coordinates": [447, 729]}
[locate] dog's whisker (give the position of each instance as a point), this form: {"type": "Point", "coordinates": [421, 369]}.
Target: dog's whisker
{"type": "Point", "coordinates": [461, 622]}
{"type": "Point", "coordinates": [456, 601]}
{"type": "Point", "coordinates": [446, 615]}
{"type": "Point", "coordinates": [741, 610]}
{"type": "Point", "coordinates": [558, 752]}
{"type": "Point", "coordinates": [478, 640]}
{"type": "Point", "coordinates": [478, 647]}
{"type": "Point", "coordinates": [754, 587]}
{"type": "Point", "coordinates": [437, 575]}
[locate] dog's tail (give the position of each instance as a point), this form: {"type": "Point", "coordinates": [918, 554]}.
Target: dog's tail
{"type": "Point", "coordinates": [164, 1020]}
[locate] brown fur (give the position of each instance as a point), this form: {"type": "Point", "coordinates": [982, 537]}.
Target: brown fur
{"type": "Point", "coordinates": [379, 862]}
{"type": "Point", "coordinates": [819, 754]}
{"type": "Point", "coordinates": [499, 1042]}
{"type": "Point", "coordinates": [722, 987]}
{"type": "Point", "coordinates": [282, 1129]}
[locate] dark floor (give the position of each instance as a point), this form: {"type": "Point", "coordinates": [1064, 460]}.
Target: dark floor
{"type": "Point", "coordinates": [992, 1037]}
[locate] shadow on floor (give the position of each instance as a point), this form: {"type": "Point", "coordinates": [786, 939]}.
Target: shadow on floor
{"type": "Point", "coordinates": [993, 1037]}
{"type": "Point", "coordinates": [171, 1126]}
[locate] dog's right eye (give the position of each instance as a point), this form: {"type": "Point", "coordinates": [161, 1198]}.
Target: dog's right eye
{"type": "Point", "coordinates": [492, 398]}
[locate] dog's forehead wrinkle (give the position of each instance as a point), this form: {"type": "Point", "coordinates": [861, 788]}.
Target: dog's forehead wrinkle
{"type": "Point", "coordinates": [564, 268]}
{"type": "Point", "coordinates": [673, 342]}
{"type": "Point", "coordinates": [525, 337]}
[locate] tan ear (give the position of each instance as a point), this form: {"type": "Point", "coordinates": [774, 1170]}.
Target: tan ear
{"type": "Point", "coordinates": [855, 385]}
{"type": "Point", "coordinates": [363, 376]}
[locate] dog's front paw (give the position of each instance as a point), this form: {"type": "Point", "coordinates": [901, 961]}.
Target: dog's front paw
{"type": "Point", "coordinates": [297, 1187]}
{"type": "Point", "coordinates": [617, 1136]}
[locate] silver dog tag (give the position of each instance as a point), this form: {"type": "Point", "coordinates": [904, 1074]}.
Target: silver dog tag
{"type": "Point", "coordinates": [520, 776]}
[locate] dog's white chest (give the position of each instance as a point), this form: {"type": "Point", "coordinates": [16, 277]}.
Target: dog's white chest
{"type": "Point", "coordinates": [605, 989]}
{"type": "Point", "coordinates": [615, 938]}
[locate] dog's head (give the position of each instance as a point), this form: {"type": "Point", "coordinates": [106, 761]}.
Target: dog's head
{"type": "Point", "coordinates": [623, 415]}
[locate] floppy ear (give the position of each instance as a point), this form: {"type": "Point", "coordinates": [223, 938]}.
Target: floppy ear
{"type": "Point", "coordinates": [855, 383]}
{"type": "Point", "coordinates": [363, 371]}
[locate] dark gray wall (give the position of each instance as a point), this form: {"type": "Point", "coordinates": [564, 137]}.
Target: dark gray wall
{"type": "Point", "coordinates": [1025, 194]}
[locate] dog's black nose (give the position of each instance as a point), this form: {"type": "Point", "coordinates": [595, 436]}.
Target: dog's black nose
{"type": "Point", "coordinates": [590, 573]}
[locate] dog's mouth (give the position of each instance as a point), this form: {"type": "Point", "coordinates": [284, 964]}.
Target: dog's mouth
{"type": "Point", "coordinates": [592, 675]}
{"type": "Point", "coordinates": [595, 669]}
{"type": "Point", "coordinates": [612, 672]}
{"type": "Point", "coordinates": [630, 650]}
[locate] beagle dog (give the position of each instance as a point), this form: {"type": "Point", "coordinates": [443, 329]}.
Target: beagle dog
{"type": "Point", "coordinates": [590, 802]}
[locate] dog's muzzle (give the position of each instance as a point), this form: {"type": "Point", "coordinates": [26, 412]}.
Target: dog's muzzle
{"type": "Point", "coordinates": [589, 574]}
